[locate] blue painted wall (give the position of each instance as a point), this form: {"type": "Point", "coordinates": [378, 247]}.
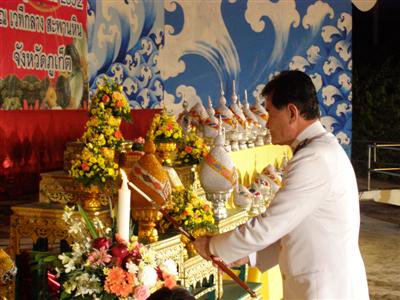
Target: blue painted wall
{"type": "Point", "coordinates": [187, 49]}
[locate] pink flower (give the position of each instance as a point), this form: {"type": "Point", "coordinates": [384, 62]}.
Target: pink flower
{"type": "Point", "coordinates": [170, 126]}
{"type": "Point", "coordinates": [99, 257]}
{"type": "Point", "coordinates": [142, 292]}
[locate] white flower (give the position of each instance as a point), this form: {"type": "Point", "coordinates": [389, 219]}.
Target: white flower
{"type": "Point", "coordinates": [69, 286]}
{"type": "Point", "coordinates": [64, 258]}
{"type": "Point", "coordinates": [87, 285]}
{"type": "Point", "coordinates": [70, 266]}
{"type": "Point", "coordinates": [75, 228]}
{"type": "Point", "coordinates": [68, 262]}
{"type": "Point", "coordinates": [132, 268]}
{"type": "Point", "coordinates": [148, 276]}
{"type": "Point", "coordinates": [169, 267]}
{"type": "Point", "coordinates": [148, 256]}
{"type": "Point", "coordinates": [68, 213]}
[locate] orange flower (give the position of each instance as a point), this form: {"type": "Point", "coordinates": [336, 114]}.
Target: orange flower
{"type": "Point", "coordinates": [206, 207]}
{"type": "Point", "coordinates": [118, 134]}
{"type": "Point", "coordinates": [188, 149]}
{"type": "Point", "coordinates": [105, 98]}
{"type": "Point", "coordinates": [119, 282]}
{"type": "Point", "coordinates": [119, 103]}
{"type": "Point", "coordinates": [117, 96]}
{"type": "Point", "coordinates": [169, 281]}
{"type": "Point", "coordinates": [85, 167]}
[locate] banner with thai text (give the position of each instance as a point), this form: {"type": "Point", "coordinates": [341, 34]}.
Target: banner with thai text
{"type": "Point", "coordinates": [43, 54]}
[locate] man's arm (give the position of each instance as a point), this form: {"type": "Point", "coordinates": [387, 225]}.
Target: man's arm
{"type": "Point", "coordinates": [306, 184]}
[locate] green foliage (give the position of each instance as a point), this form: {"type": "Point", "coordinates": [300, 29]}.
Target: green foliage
{"type": "Point", "coordinates": [376, 109]}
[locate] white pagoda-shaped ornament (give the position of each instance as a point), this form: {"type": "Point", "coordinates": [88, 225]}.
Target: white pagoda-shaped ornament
{"type": "Point", "coordinates": [237, 111]}
{"type": "Point", "coordinates": [218, 176]}
{"type": "Point", "coordinates": [222, 111]}
{"type": "Point", "coordinates": [259, 111]}
{"type": "Point", "coordinates": [211, 124]}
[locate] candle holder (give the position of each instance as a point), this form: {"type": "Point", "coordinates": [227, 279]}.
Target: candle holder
{"type": "Point", "coordinates": [147, 218]}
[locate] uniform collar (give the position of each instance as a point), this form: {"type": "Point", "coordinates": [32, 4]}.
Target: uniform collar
{"type": "Point", "coordinates": [309, 132]}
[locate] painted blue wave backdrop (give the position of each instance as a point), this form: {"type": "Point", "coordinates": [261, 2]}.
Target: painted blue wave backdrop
{"type": "Point", "coordinates": [123, 42]}
{"type": "Point", "coordinates": [212, 43]}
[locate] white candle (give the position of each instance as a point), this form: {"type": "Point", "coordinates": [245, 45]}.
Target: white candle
{"type": "Point", "coordinates": [124, 208]}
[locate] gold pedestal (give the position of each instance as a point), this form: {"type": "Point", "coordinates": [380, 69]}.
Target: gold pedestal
{"type": "Point", "coordinates": [166, 152]}
{"type": "Point", "coordinates": [147, 218]}
{"type": "Point", "coordinates": [189, 176]}
{"type": "Point", "coordinates": [42, 220]}
{"type": "Point", "coordinates": [59, 187]}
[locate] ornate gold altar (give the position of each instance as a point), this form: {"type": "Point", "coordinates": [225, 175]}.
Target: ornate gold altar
{"type": "Point", "coordinates": [42, 220]}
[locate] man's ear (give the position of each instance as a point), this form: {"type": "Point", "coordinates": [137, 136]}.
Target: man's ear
{"type": "Point", "coordinates": [293, 111]}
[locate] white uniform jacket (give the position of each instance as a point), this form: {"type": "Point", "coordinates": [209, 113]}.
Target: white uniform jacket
{"type": "Point", "coordinates": [311, 227]}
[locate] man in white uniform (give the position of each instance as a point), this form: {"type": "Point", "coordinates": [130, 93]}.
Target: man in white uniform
{"type": "Point", "coordinates": [312, 225]}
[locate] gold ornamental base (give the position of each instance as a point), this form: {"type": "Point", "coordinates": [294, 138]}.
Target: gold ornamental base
{"type": "Point", "coordinates": [147, 218]}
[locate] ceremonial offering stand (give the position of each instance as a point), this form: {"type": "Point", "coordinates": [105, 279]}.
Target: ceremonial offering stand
{"type": "Point", "coordinates": [43, 220]}
{"type": "Point", "coordinates": [59, 187]}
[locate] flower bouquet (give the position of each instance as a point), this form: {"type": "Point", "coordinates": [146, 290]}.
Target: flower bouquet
{"type": "Point", "coordinates": [164, 128]}
{"type": "Point", "coordinates": [103, 266]}
{"type": "Point", "coordinates": [191, 150]}
{"type": "Point", "coordinates": [95, 164]}
{"type": "Point", "coordinates": [192, 212]}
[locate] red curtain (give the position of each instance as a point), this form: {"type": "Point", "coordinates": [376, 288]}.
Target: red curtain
{"type": "Point", "coordinates": [34, 141]}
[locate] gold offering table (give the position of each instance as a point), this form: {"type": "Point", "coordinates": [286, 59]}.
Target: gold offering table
{"type": "Point", "coordinates": [42, 220]}
{"type": "Point", "coordinates": [196, 270]}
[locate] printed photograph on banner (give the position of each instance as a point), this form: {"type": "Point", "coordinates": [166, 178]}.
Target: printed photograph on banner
{"type": "Point", "coordinates": [43, 64]}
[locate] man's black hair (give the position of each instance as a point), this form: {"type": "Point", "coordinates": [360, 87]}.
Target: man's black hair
{"type": "Point", "coordinates": [293, 87]}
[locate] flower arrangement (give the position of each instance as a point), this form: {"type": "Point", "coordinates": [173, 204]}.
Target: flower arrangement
{"type": "Point", "coordinates": [192, 149]}
{"type": "Point", "coordinates": [104, 266]}
{"type": "Point", "coordinates": [192, 212]}
{"type": "Point", "coordinates": [164, 128]}
{"type": "Point", "coordinates": [95, 165]}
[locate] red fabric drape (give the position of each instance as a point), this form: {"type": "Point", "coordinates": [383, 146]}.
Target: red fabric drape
{"type": "Point", "coordinates": [34, 141]}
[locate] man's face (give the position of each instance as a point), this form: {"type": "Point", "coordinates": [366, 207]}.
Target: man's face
{"type": "Point", "coordinates": [278, 123]}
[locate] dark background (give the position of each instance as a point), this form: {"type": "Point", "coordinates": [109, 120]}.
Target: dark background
{"type": "Point", "coordinates": [376, 84]}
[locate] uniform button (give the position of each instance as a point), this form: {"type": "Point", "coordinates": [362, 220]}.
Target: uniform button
{"type": "Point", "coordinates": [283, 276]}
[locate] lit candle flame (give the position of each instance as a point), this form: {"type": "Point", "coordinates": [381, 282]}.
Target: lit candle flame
{"type": "Point", "coordinates": [123, 174]}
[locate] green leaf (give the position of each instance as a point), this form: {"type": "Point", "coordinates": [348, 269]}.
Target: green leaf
{"type": "Point", "coordinates": [88, 222]}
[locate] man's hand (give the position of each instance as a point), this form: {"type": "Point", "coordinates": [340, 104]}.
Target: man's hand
{"type": "Point", "coordinates": [202, 246]}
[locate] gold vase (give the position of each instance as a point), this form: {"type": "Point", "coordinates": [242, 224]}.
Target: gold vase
{"type": "Point", "coordinates": [147, 218]}
{"type": "Point", "coordinates": [91, 198]}
{"type": "Point", "coordinates": [186, 174]}
{"type": "Point", "coordinates": [166, 152]}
